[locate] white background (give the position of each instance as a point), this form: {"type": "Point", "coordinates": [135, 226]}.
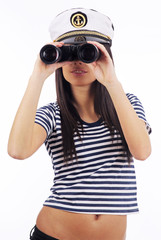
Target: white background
{"type": "Point", "coordinates": [24, 185]}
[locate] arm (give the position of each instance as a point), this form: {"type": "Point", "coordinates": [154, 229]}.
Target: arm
{"type": "Point", "coordinates": [26, 136]}
{"type": "Point", "coordinates": [133, 127]}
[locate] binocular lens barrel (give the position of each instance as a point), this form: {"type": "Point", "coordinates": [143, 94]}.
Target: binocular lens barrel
{"type": "Point", "coordinates": [49, 54]}
{"type": "Point", "coordinates": [86, 53]}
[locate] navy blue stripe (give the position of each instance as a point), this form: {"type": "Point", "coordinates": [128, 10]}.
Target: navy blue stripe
{"type": "Point", "coordinates": [72, 179]}
{"type": "Point", "coordinates": [99, 200]}
{"type": "Point", "coordinates": [94, 165]}
{"type": "Point", "coordinates": [101, 171]}
{"type": "Point", "coordinates": [95, 188]}
{"type": "Point", "coordinates": [121, 194]}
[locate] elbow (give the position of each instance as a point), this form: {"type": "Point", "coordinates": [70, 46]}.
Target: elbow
{"type": "Point", "coordinates": [142, 155]}
{"type": "Point", "coordinates": [16, 154]}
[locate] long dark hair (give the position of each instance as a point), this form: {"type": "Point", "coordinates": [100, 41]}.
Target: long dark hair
{"type": "Point", "coordinates": [70, 117]}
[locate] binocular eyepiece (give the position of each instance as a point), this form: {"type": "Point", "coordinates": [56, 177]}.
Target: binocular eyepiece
{"type": "Point", "coordinates": [86, 53]}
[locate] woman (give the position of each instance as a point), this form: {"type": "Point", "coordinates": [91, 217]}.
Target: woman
{"type": "Point", "coordinates": [92, 133]}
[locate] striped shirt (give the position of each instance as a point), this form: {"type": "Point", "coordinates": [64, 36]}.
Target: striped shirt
{"type": "Point", "coordinates": [101, 181]}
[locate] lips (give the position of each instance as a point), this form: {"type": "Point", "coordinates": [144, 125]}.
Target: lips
{"type": "Point", "coordinates": [78, 71]}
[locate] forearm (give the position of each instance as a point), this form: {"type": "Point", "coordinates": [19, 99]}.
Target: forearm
{"type": "Point", "coordinates": [26, 136]}
{"type": "Point", "coordinates": [133, 127]}
{"type": "Point", "coordinates": [22, 130]}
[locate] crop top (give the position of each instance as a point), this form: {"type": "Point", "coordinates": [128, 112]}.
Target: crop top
{"type": "Point", "coordinates": [101, 181]}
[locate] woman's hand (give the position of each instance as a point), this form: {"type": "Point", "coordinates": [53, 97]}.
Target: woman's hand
{"type": "Point", "coordinates": [103, 68]}
{"type": "Point", "coordinates": [133, 128]}
{"type": "Point", "coordinates": [45, 70]}
{"type": "Point", "coordinates": [26, 136]}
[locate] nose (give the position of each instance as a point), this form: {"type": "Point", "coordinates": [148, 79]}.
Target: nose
{"type": "Point", "coordinates": [77, 62]}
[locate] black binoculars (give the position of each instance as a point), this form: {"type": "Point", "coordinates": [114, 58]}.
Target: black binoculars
{"type": "Point", "coordinates": [86, 53]}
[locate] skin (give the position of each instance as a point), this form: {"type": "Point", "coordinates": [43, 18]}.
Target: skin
{"type": "Point", "coordinates": [26, 137]}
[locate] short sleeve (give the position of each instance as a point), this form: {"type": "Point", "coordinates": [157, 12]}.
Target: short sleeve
{"type": "Point", "coordinates": [139, 109]}
{"type": "Point", "coordinates": [45, 116]}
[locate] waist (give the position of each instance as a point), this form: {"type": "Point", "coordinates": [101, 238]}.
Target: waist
{"type": "Point", "coordinates": [74, 226]}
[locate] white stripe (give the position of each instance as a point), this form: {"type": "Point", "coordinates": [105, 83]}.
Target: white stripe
{"type": "Point", "coordinates": [96, 168]}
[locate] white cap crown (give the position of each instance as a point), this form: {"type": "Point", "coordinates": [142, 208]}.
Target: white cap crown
{"type": "Point", "coordinates": [79, 24]}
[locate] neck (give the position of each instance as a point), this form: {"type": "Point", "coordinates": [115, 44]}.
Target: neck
{"type": "Point", "coordinates": [84, 102]}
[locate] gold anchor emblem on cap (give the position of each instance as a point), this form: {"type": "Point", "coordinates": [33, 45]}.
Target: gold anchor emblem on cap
{"type": "Point", "coordinates": [78, 20]}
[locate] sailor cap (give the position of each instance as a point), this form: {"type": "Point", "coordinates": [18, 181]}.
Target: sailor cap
{"type": "Point", "coordinates": [81, 25]}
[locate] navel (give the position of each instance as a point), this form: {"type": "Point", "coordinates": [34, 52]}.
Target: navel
{"type": "Point", "coordinates": [97, 217]}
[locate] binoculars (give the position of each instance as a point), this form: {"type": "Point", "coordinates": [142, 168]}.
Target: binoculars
{"type": "Point", "coordinates": [86, 53]}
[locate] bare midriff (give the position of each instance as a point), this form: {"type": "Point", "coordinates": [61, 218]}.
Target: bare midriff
{"type": "Point", "coordinates": [65, 225]}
